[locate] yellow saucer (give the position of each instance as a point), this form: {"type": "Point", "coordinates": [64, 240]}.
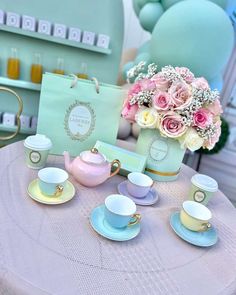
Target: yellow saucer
{"type": "Point", "coordinates": [35, 193]}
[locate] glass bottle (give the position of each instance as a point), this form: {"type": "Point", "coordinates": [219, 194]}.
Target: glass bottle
{"type": "Point", "coordinates": [36, 69]}
{"type": "Point", "coordinates": [83, 71]}
{"type": "Point", "coordinates": [13, 65]}
{"type": "Point", "coordinates": [60, 66]}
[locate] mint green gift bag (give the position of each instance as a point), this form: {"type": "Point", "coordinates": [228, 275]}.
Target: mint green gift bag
{"type": "Point", "coordinates": [75, 113]}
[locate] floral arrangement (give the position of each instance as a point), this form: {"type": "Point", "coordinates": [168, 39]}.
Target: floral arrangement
{"type": "Point", "coordinates": [176, 103]}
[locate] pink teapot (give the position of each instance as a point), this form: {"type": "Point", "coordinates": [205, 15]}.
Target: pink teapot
{"type": "Point", "coordinates": [91, 168]}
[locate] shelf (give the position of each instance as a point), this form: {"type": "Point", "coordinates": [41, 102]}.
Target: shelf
{"type": "Point", "coordinates": [53, 39]}
{"type": "Point", "coordinates": [20, 84]}
{"type": "Point", "coordinates": [13, 129]}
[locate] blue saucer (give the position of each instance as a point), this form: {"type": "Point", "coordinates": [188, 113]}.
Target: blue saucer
{"type": "Point", "coordinates": [101, 226]}
{"type": "Point", "coordinates": [201, 239]}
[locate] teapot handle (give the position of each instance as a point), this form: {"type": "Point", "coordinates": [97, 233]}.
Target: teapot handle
{"type": "Point", "coordinates": [115, 162]}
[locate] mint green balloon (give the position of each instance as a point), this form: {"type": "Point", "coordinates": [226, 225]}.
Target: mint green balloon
{"type": "Point", "coordinates": [125, 69]}
{"type": "Point", "coordinates": [136, 7]}
{"type": "Point", "coordinates": [168, 3]}
{"type": "Point", "coordinates": [141, 3]}
{"type": "Point", "coordinates": [149, 15]}
{"type": "Point", "coordinates": [221, 3]}
{"type": "Point", "coordinates": [145, 47]}
{"type": "Point", "coordinates": [145, 56]}
{"type": "Point", "coordinates": [195, 34]}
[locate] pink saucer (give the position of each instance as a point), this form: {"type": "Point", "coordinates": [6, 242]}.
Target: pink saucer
{"type": "Point", "coordinates": [150, 199]}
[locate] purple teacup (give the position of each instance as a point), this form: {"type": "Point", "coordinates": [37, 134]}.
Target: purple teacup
{"type": "Point", "coordinates": [139, 184]}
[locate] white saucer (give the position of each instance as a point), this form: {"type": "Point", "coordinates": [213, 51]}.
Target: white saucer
{"type": "Point", "coordinates": [35, 193]}
{"type": "Point", "coordinates": [150, 199]}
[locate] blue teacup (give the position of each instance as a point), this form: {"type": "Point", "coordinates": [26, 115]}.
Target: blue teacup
{"type": "Point", "coordinates": [52, 181]}
{"type": "Point", "coordinates": [120, 211]}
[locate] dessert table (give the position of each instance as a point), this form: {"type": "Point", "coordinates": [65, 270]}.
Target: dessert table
{"type": "Point", "coordinates": [54, 250]}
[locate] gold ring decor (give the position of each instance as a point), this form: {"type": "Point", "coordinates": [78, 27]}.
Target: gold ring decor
{"type": "Point", "coordinates": [162, 173]}
{"type": "Point", "coordinates": [20, 102]}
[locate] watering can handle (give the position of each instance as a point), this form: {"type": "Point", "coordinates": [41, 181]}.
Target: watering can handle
{"type": "Point", "coordinates": [20, 102]}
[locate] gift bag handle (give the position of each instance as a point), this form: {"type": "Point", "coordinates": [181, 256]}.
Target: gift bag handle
{"type": "Point", "coordinates": [74, 82]}
{"type": "Point", "coordinates": [97, 87]}
{"type": "Point", "coordinates": [20, 102]}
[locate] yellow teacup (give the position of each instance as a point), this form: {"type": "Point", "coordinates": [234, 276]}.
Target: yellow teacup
{"type": "Point", "coordinates": [195, 216]}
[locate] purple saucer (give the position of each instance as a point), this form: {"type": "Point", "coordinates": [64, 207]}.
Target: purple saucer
{"type": "Point", "coordinates": [150, 199]}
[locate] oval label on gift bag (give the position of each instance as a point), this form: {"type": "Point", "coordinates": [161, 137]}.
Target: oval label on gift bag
{"type": "Point", "coordinates": [158, 150]}
{"type": "Point", "coordinates": [79, 120]}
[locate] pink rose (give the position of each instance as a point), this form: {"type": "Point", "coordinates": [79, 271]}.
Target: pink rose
{"type": "Point", "coordinates": [201, 83]}
{"type": "Point", "coordinates": [135, 89]}
{"type": "Point", "coordinates": [185, 74]}
{"type": "Point", "coordinates": [210, 143]}
{"type": "Point", "coordinates": [161, 101]}
{"type": "Point", "coordinates": [215, 108]}
{"type": "Point", "coordinates": [161, 82]}
{"type": "Point", "coordinates": [181, 95]}
{"type": "Point", "coordinates": [171, 125]}
{"type": "Point", "coordinates": [147, 85]}
{"type": "Point", "coordinates": [202, 118]}
{"type": "Point", "coordinates": [129, 111]}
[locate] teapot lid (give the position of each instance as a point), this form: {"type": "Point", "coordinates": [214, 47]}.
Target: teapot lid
{"type": "Point", "coordinates": [93, 157]}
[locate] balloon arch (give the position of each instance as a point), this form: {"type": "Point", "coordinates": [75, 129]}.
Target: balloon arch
{"type": "Point", "coordinates": [197, 34]}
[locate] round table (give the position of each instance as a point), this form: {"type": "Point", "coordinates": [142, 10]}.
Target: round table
{"type": "Point", "coordinates": [54, 250]}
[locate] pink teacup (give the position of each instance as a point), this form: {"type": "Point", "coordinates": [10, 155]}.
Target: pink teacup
{"type": "Point", "coordinates": [139, 184]}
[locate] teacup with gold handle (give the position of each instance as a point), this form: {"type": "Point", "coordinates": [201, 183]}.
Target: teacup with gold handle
{"type": "Point", "coordinates": [120, 211]}
{"type": "Point", "coordinates": [195, 216]}
{"type": "Point", "coordinates": [52, 181]}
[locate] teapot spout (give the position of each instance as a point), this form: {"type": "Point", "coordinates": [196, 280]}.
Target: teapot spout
{"type": "Point", "coordinates": [68, 163]}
